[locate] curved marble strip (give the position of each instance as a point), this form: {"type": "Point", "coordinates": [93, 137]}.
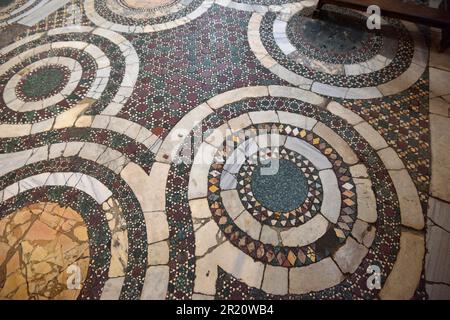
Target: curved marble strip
{"type": "Point", "coordinates": [338, 143]}
{"type": "Point", "coordinates": [224, 253]}
{"type": "Point", "coordinates": [254, 273]}
{"type": "Point", "coordinates": [237, 263]}
{"type": "Point", "coordinates": [127, 49]}
{"type": "Point", "coordinates": [299, 236]}
{"type": "Point", "coordinates": [306, 233]}
{"type": "Point", "coordinates": [168, 150]}
{"type": "Point", "coordinates": [329, 210]}
{"type": "Point", "coordinates": [309, 152]}
{"type": "Point", "coordinates": [99, 192]}
{"type": "Point", "coordinates": [123, 126]}
{"type": "Point", "coordinates": [375, 63]}
{"type": "Point", "coordinates": [258, 49]}
{"type": "Point", "coordinates": [417, 68]}
{"type": "Point", "coordinates": [34, 16]}
{"type": "Point", "coordinates": [402, 282]}
{"type": "Point", "coordinates": [80, 181]}
{"type": "Point", "coordinates": [16, 104]}
{"type": "Point", "coordinates": [79, 45]}
{"type": "Point", "coordinates": [401, 83]}
{"type": "Point", "coordinates": [102, 22]}
{"type": "Point", "coordinates": [242, 6]}
{"type": "Point", "coordinates": [103, 155]}
{"type": "Point", "coordinates": [326, 271]}
{"type": "Point", "coordinates": [148, 189]}
{"type": "Point", "coordinates": [20, 42]}
{"type": "Point", "coordinates": [198, 178]}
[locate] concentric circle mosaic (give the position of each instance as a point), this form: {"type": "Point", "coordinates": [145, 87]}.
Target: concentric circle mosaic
{"type": "Point", "coordinates": [117, 238]}
{"type": "Point", "coordinates": [12, 11]}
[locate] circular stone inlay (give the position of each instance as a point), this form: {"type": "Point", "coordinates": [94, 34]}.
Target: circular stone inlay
{"type": "Point", "coordinates": [143, 4]}
{"type": "Point", "coordinates": [43, 82]}
{"type": "Point", "coordinates": [284, 191]}
{"type": "Point", "coordinates": [332, 36]}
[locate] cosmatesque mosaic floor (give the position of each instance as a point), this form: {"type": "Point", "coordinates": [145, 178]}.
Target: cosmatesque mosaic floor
{"type": "Point", "coordinates": [134, 137]}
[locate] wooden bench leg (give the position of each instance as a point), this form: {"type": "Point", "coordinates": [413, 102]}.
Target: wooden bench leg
{"type": "Point", "coordinates": [445, 40]}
